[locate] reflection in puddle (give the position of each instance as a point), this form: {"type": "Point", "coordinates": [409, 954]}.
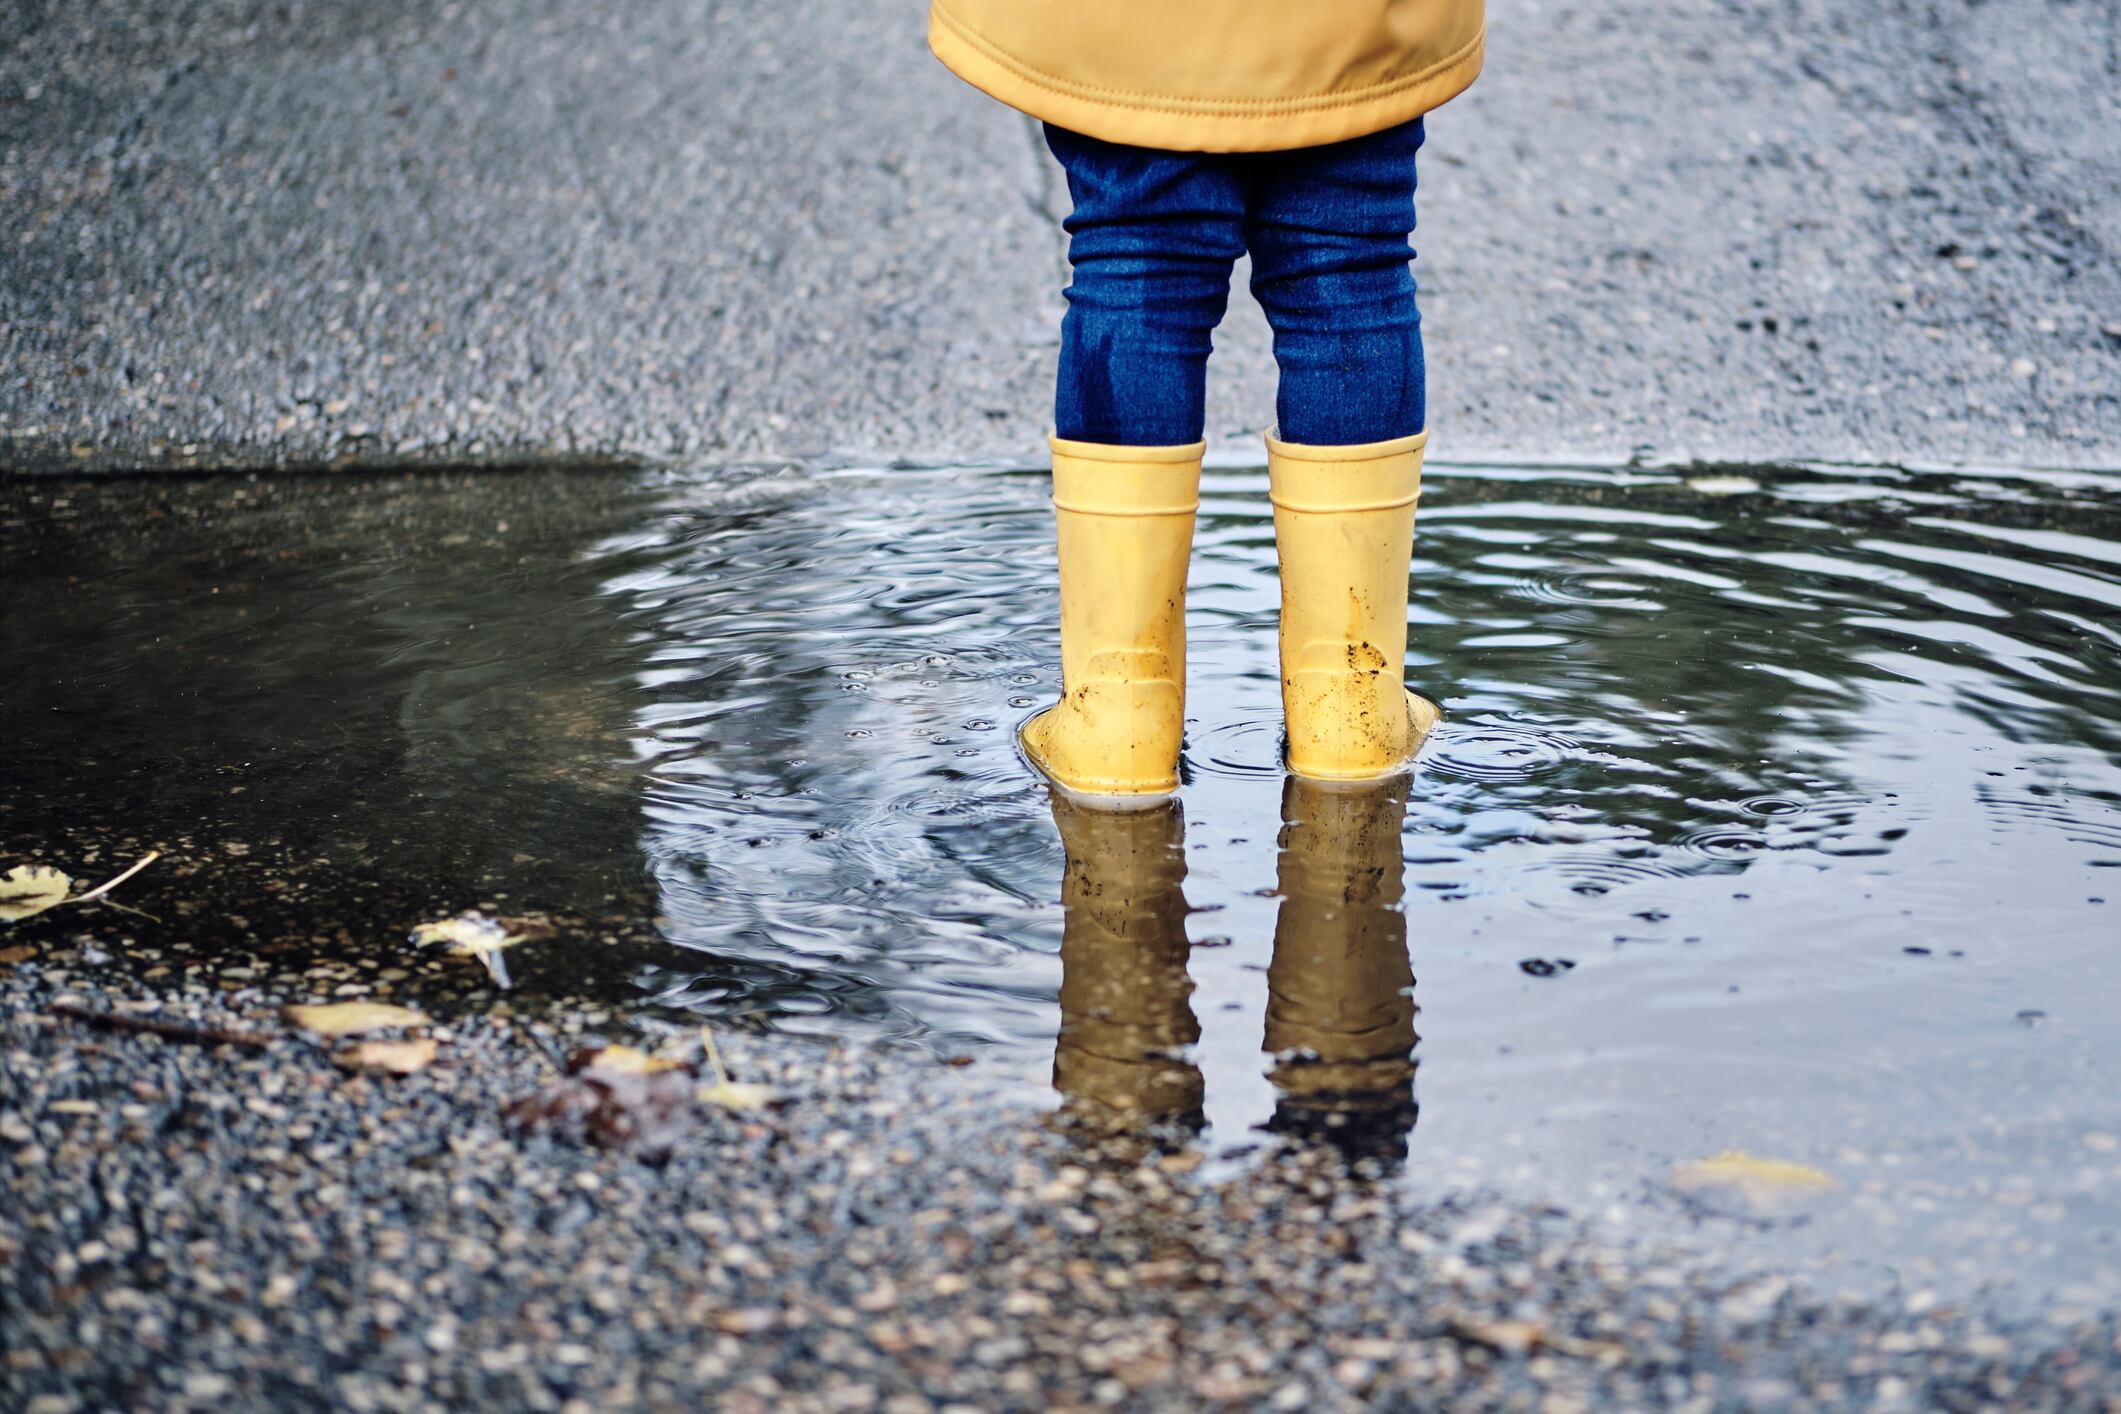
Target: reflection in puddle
{"type": "Point", "coordinates": [1818, 787]}
{"type": "Point", "coordinates": [1123, 1059]}
{"type": "Point", "coordinates": [1340, 988]}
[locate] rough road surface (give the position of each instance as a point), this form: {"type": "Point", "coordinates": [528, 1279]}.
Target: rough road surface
{"type": "Point", "coordinates": [239, 233]}
{"type": "Point", "coordinates": [208, 1228]}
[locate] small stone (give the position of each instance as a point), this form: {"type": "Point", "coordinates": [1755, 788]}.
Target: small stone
{"type": "Point", "coordinates": [205, 1384]}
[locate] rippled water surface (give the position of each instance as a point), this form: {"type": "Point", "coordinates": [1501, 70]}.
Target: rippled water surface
{"type": "Point", "coordinates": [1778, 812]}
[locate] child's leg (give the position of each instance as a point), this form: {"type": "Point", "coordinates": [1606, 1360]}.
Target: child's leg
{"type": "Point", "coordinates": [1151, 240]}
{"type": "Point", "coordinates": [1328, 235]}
{"type": "Point", "coordinates": [1153, 237]}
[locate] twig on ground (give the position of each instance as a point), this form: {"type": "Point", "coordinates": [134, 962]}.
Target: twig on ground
{"type": "Point", "coordinates": [169, 1030]}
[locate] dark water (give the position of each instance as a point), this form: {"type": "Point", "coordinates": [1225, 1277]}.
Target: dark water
{"type": "Point", "coordinates": [1779, 813]}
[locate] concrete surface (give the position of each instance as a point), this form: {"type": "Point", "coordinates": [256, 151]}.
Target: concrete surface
{"type": "Point", "coordinates": [248, 234]}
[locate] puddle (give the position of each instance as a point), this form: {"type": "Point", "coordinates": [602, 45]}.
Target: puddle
{"type": "Point", "coordinates": [1777, 812]}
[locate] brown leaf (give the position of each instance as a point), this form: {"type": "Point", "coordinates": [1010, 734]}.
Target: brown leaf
{"type": "Point", "coordinates": [20, 953]}
{"type": "Point", "coordinates": [351, 1018]}
{"type": "Point", "coordinates": [1508, 1337]}
{"type": "Point", "coordinates": [645, 1113]}
{"type": "Point", "coordinates": [1523, 1337]}
{"type": "Point", "coordinates": [623, 1060]}
{"type": "Point", "coordinates": [621, 1097]}
{"type": "Point", "coordinates": [398, 1057]}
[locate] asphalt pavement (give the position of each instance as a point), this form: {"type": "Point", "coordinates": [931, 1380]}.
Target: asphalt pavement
{"type": "Point", "coordinates": [289, 234]}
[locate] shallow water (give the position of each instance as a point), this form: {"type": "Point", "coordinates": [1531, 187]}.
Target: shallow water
{"type": "Point", "coordinates": [1776, 812]}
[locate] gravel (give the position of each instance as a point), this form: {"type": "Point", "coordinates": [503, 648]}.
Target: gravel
{"type": "Point", "coordinates": [192, 1226]}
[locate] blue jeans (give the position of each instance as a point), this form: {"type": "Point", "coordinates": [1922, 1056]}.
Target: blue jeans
{"type": "Point", "coordinates": [1152, 240]}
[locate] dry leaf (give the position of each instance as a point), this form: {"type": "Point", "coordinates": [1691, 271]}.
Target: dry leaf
{"type": "Point", "coordinates": [624, 1060]}
{"type": "Point", "coordinates": [629, 1100]}
{"type": "Point", "coordinates": [27, 890]}
{"type": "Point", "coordinates": [473, 934]}
{"type": "Point", "coordinates": [1734, 1168]}
{"type": "Point", "coordinates": [1757, 1187]}
{"type": "Point", "coordinates": [726, 1092]}
{"type": "Point", "coordinates": [621, 1097]}
{"type": "Point", "coordinates": [468, 934]}
{"type": "Point", "coordinates": [1507, 1337]}
{"type": "Point", "coordinates": [733, 1096]}
{"type": "Point", "coordinates": [398, 1057]}
{"type": "Point", "coordinates": [351, 1018]}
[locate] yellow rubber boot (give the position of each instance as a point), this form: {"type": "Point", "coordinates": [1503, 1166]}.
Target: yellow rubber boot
{"type": "Point", "coordinates": [1344, 527]}
{"type": "Point", "coordinates": [1125, 518]}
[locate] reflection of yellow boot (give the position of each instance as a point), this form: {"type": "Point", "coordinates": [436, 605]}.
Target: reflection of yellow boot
{"type": "Point", "coordinates": [1340, 1005]}
{"type": "Point", "coordinates": [1126, 1012]}
{"type": "Point", "coordinates": [1344, 527]}
{"type": "Point", "coordinates": [1125, 517]}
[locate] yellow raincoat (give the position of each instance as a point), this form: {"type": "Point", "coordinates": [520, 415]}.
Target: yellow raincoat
{"type": "Point", "coordinates": [1214, 75]}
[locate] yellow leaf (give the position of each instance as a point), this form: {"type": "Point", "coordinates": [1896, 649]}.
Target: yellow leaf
{"type": "Point", "coordinates": [351, 1018]}
{"type": "Point", "coordinates": [467, 935]}
{"type": "Point", "coordinates": [473, 934]}
{"type": "Point", "coordinates": [398, 1057]}
{"type": "Point", "coordinates": [626, 1060]}
{"type": "Point", "coordinates": [28, 890]}
{"type": "Point", "coordinates": [1736, 1169]}
{"type": "Point", "coordinates": [723, 1091]}
{"type": "Point", "coordinates": [733, 1095]}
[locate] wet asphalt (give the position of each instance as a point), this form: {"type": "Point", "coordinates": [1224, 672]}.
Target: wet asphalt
{"type": "Point", "coordinates": [249, 234]}
{"type": "Point", "coordinates": [295, 235]}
